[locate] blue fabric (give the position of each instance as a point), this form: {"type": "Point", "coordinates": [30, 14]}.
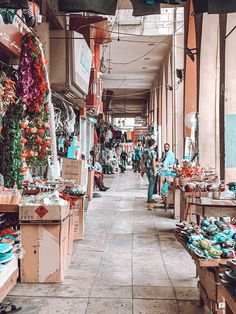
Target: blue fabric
{"type": "Point", "coordinates": [169, 159]}
{"type": "Point", "coordinates": [138, 154]}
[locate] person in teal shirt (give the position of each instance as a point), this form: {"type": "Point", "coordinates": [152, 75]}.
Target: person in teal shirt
{"type": "Point", "coordinates": [137, 158]}
{"type": "Point", "coordinates": [148, 166]}
{"type": "Point", "coordinates": [168, 157]}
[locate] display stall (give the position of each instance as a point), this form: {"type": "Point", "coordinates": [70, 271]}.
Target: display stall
{"type": "Point", "coordinates": [211, 245]}
{"type": "Point", "coordinates": [228, 285]}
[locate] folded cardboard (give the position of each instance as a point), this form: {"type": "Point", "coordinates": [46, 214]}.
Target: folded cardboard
{"type": "Point", "coordinates": [78, 213]}
{"type": "Point", "coordinates": [90, 186]}
{"type": "Point", "coordinates": [46, 252]}
{"type": "Point", "coordinates": [43, 214]}
{"type": "Point", "coordinates": [74, 170]}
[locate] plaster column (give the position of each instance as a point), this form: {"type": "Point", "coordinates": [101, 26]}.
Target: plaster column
{"type": "Point", "coordinates": [209, 93]}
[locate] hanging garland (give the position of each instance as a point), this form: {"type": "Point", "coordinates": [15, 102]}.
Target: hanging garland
{"type": "Point", "coordinates": [12, 149]}
{"type": "Point", "coordinates": [33, 88]}
{"type": "Point", "coordinates": [7, 96]}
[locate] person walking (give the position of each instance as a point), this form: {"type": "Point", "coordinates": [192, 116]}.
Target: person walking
{"type": "Point", "coordinates": [148, 166]}
{"type": "Point", "coordinates": [168, 157]}
{"type": "Point", "coordinates": [124, 158]}
{"type": "Point", "coordinates": [137, 158]}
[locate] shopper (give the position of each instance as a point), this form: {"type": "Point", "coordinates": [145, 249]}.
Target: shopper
{"type": "Point", "coordinates": [148, 166]}
{"type": "Point", "coordinates": [124, 158]}
{"type": "Point", "coordinates": [137, 158]}
{"type": "Point", "coordinates": [168, 157]}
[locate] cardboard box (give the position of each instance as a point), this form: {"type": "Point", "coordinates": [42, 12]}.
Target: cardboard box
{"type": "Point", "coordinates": [78, 212]}
{"type": "Point", "coordinates": [46, 252]}
{"type": "Point", "coordinates": [74, 170]}
{"type": "Point", "coordinates": [90, 186]}
{"type": "Point", "coordinates": [43, 214]}
{"type": "Point", "coordinates": [70, 238]}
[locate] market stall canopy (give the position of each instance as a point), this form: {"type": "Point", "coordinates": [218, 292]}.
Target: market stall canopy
{"type": "Point", "coordinates": [14, 4]}
{"type": "Point", "coordinates": [214, 6]}
{"type": "Point", "coordinates": [140, 7]}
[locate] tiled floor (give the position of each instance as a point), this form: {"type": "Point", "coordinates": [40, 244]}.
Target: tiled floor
{"type": "Point", "coordinates": [129, 262]}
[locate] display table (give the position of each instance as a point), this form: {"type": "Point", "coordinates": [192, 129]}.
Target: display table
{"type": "Point", "coordinates": [207, 207]}
{"type": "Point", "coordinates": [229, 297]}
{"type": "Point", "coordinates": [9, 208]}
{"type": "Point", "coordinates": [208, 271]}
{"type": "Point", "coordinates": [8, 278]}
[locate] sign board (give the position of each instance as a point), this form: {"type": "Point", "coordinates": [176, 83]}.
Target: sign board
{"type": "Point", "coordinates": [140, 121]}
{"type": "Point", "coordinates": [82, 61]}
{"type": "Point", "coordinates": [10, 37]}
{"type": "Point", "coordinates": [74, 170]}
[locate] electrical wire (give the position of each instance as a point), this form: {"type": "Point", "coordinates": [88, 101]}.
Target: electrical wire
{"type": "Point", "coordinates": [154, 48]}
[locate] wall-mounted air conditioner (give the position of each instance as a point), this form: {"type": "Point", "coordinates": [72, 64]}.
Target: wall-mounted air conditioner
{"type": "Point", "coordinates": [70, 63]}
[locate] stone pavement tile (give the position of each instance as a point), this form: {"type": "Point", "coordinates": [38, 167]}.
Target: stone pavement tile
{"type": "Point", "coordinates": [187, 282]}
{"type": "Point", "coordinates": [119, 278]}
{"type": "Point", "coordinates": [29, 305]}
{"type": "Point", "coordinates": [187, 293]}
{"type": "Point", "coordinates": [141, 306]}
{"type": "Point", "coordinates": [192, 307]}
{"type": "Point", "coordinates": [30, 289]}
{"type": "Point", "coordinates": [162, 293]}
{"type": "Point", "coordinates": [75, 290]}
{"type": "Point", "coordinates": [111, 291]}
{"type": "Point", "coordinates": [65, 305]}
{"type": "Point", "coordinates": [109, 306]}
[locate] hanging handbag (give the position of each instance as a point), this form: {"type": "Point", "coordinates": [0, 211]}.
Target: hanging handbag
{"type": "Point", "coordinates": [31, 14]}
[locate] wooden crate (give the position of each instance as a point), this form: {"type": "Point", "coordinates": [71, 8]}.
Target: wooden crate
{"type": "Point", "coordinates": [46, 252]}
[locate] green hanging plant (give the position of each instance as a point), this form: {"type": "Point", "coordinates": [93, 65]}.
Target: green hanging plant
{"type": "Point", "coordinates": [12, 147]}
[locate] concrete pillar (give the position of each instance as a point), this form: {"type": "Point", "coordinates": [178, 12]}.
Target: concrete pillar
{"type": "Point", "coordinates": [163, 111]}
{"type": "Point", "coordinates": [178, 95]}
{"type": "Point", "coordinates": [169, 104]}
{"type": "Point", "coordinates": [209, 93]}
{"type": "Point", "coordinates": [230, 101]}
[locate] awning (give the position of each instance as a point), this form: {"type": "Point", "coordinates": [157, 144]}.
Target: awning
{"type": "Point", "coordinates": [14, 4]}
{"type": "Point", "coordinates": [141, 8]}
{"type": "Point", "coordinates": [94, 6]}
{"type": "Point", "coordinates": [108, 7]}
{"type": "Point", "coordinates": [214, 6]}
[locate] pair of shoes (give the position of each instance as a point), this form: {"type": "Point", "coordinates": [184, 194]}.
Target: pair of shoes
{"type": "Point", "coordinates": [151, 201]}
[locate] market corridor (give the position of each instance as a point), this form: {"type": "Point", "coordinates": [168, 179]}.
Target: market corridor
{"type": "Point", "coordinates": [128, 262]}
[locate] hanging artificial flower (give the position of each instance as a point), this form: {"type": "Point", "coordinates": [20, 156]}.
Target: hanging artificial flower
{"type": "Point", "coordinates": [33, 88]}
{"type": "Point", "coordinates": [7, 96]}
